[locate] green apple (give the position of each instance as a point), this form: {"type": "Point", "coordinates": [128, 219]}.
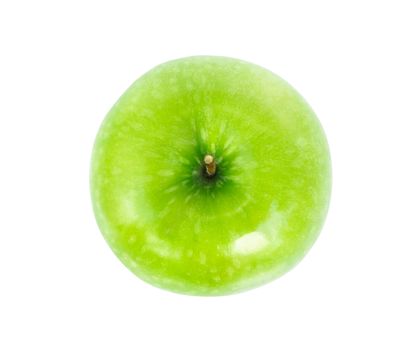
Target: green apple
{"type": "Point", "coordinates": [210, 176]}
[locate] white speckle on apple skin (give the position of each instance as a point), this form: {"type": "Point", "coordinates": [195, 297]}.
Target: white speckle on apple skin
{"type": "Point", "coordinates": [203, 258]}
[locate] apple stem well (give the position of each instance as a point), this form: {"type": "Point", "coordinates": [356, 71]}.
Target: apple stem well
{"type": "Point", "coordinates": [210, 164]}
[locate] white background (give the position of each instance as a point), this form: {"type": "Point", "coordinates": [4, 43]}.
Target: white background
{"type": "Point", "coordinates": [62, 66]}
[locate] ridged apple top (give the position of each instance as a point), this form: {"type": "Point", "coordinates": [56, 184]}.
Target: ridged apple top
{"type": "Point", "coordinates": [249, 223]}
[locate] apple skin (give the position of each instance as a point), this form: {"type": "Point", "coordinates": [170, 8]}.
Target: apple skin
{"type": "Point", "coordinates": [247, 226]}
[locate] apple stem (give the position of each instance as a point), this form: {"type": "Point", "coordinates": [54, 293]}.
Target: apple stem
{"type": "Point", "coordinates": [210, 164]}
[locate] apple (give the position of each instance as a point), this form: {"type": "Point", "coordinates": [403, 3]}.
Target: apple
{"type": "Point", "coordinates": [210, 176]}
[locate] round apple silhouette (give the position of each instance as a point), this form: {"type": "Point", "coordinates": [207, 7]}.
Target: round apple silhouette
{"type": "Point", "coordinates": [210, 176]}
